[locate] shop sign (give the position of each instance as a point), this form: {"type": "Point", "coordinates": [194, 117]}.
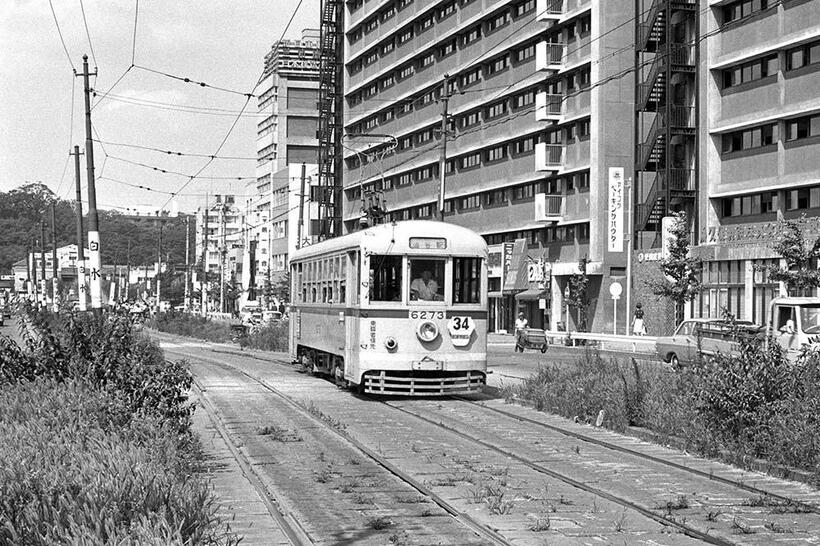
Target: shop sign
{"type": "Point", "coordinates": [615, 210]}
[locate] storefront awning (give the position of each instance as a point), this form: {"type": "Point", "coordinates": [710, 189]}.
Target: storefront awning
{"type": "Point", "coordinates": [533, 294]}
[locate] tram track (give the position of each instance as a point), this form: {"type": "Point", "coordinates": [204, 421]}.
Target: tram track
{"type": "Point", "coordinates": [461, 517]}
{"type": "Point", "coordinates": [676, 521]}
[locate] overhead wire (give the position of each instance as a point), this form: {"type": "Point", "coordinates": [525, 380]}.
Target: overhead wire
{"type": "Point", "coordinates": [172, 152]}
{"type": "Point", "coordinates": [177, 173]}
{"type": "Point", "coordinates": [70, 135]}
{"type": "Point", "coordinates": [88, 36]}
{"type": "Point", "coordinates": [60, 32]}
{"type": "Point", "coordinates": [134, 40]}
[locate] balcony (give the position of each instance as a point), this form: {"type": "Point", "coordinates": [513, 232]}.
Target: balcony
{"type": "Point", "coordinates": [549, 207]}
{"type": "Point", "coordinates": [549, 10]}
{"type": "Point", "coordinates": [549, 56]}
{"type": "Point", "coordinates": [548, 107]}
{"type": "Point", "coordinates": [548, 157]}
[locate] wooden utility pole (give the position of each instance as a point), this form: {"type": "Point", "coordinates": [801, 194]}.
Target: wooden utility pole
{"type": "Point", "coordinates": [159, 268]}
{"type": "Point", "coordinates": [301, 222]}
{"type": "Point", "coordinates": [31, 271]}
{"type": "Point", "coordinates": [43, 281]}
{"type": "Point", "coordinates": [94, 261]}
{"type": "Point", "coordinates": [204, 283]}
{"type": "Point", "coordinates": [81, 292]}
{"type": "Point", "coordinates": [55, 288]}
{"type": "Point", "coordinates": [187, 297]}
{"type": "Point", "coordinates": [223, 251]}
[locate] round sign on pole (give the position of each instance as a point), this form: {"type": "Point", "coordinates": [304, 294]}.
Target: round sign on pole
{"type": "Point", "coordinates": [566, 292]}
{"type": "Point", "coordinates": [615, 290]}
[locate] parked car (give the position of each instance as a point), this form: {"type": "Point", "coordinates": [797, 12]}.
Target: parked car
{"type": "Point", "coordinates": [706, 337]}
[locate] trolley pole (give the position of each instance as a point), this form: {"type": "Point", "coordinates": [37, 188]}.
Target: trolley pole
{"type": "Point", "coordinates": [43, 281]}
{"type": "Point", "coordinates": [93, 220]}
{"type": "Point", "coordinates": [442, 160]}
{"type": "Point", "coordinates": [55, 285]}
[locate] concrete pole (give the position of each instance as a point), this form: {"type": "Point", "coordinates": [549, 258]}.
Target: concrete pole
{"type": "Point", "coordinates": [187, 297]}
{"type": "Point", "coordinates": [442, 160]}
{"type": "Point", "coordinates": [630, 237]}
{"type": "Point", "coordinates": [81, 290]}
{"type": "Point", "coordinates": [43, 281]}
{"type": "Point", "coordinates": [55, 285]}
{"type": "Point", "coordinates": [94, 261]}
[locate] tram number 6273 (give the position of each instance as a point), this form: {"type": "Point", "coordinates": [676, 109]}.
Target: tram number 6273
{"type": "Point", "coordinates": [441, 315]}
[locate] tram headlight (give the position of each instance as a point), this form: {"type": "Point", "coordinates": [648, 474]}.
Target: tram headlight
{"type": "Point", "coordinates": [390, 343]}
{"type": "Point", "coordinates": [427, 331]}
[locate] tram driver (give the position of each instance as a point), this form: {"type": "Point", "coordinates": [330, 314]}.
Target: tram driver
{"type": "Point", "coordinates": [424, 287]}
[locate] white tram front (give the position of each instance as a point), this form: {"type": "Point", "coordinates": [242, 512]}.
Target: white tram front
{"type": "Point", "coordinates": [394, 309]}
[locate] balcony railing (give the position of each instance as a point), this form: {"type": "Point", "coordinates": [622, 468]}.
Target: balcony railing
{"type": "Point", "coordinates": [549, 10]}
{"type": "Point", "coordinates": [548, 106]}
{"type": "Point", "coordinates": [548, 157]}
{"type": "Point", "coordinates": [549, 207]}
{"type": "Point", "coordinates": [548, 56]}
{"type": "Point", "coordinates": [682, 179]}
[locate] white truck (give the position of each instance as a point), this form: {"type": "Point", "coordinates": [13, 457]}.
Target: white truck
{"type": "Point", "coordinates": [794, 322]}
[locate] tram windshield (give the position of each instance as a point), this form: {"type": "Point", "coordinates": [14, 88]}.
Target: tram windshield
{"type": "Point", "coordinates": [385, 277]}
{"type": "Point", "coordinates": [426, 280]}
{"type": "Point", "coordinates": [466, 280]}
{"type": "Point", "coordinates": [810, 319]}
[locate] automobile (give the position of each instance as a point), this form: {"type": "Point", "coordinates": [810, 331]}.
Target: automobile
{"type": "Point", "coordinates": [271, 316]}
{"type": "Point", "coordinates": [704, 337]}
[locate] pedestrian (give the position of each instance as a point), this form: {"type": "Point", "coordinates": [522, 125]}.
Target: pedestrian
{"type": "Point", "coordinates": [520, 324]}
{"type": "Point", "coordinates": [638, 326]}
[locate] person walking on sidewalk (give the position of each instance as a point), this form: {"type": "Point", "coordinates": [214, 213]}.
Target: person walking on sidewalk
{"type": "Point", "coordinates": [638, 326]}
{"type": "Point", "coordinates": [520, 324]}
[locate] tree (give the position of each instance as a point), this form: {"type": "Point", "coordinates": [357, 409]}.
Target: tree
{"type": "Point", "coordinates": [800, 274]}
{"type": "Point", "coordinates": [579, 294]}
{"type": "Point", "coordinates": [680, 282]}
{"type": "Point", "coordinates": [281, 289]}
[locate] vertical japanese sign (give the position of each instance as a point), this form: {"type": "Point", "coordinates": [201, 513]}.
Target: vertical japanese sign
{"type": "Point", "coordinates": [95, 266]}
{"type": "Point", "coordinates": [506, 262]}
{"type": "Point", "coordinates": [81, 289]}
{"type": "Point", "coordinates": [615, 210]}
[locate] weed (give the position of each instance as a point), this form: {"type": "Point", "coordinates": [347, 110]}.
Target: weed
{"type": "Point", "coordinates": [399, 538]}
{"type": "Point", "coordinates": [322, 476]}
{"type": "Point", "coordinates": [498, 505]}
{"type": "Point", "coordinates": [577, 450]}
{"type": "Point", "coordinates": [426, 513]}
{"type": "Point", "coordinates": [355, 462]}
{"type": "Point", "coordinates": [741, 527]}
{"type": "Point", "coordinates": [278, 434]}
{"type": "Point", "coordinates": [774, 527]}
{"type": "Point", "coordinates": [595, 508]}
{"type": "Point", "coordinates": [713, 515]}
{"type": "Point", "coordinates": [540, 523]}
{"type": "Point", "coordinates": [412, 499]}
{"type": "Point", "coordinates": [330, 420]}
{"type": "Point", "coordinates": [379, 523]}
{"type": "Point", "coordinates": [321, 456]}
{"type": "Point", "coordinates": [361, 498]}
{"type": "Point", "coordinates": [562, 500]}
{"type": "Point", "coordinates": [618, 524]}
{"type": "Point", "coordinates": [680, 503]}
{"type": "Point", "coordinates": [414, 448]}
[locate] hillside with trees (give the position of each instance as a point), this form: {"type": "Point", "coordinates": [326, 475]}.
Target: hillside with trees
{"type": "Point", "coordinates": [122, 239]}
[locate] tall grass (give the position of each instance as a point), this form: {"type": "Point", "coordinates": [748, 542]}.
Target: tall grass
{"type": "Point", "coordinates": [188, 325]}
{"type": "Point", "coordinates": [751, 404]}
{"type": "Point", "coordinates": [95, 439]}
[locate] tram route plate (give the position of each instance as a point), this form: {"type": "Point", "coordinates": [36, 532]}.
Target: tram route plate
{"type": "Point", "coordinates": [428, 364]}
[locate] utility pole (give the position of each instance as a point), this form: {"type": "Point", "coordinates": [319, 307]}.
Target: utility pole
{"type": "Point", "coordinates": [442, 160]}
{"type": "Point", "coordinates": [81, 294]}
{"type": "Point", "coordinates": [187, 297]}
{"type": "Point", "coordinates": [204, 283]}
{"type": "Point", "coordinates": [301, 222]}
{"type": "Point", "coordinates": [222, 254]}
{"type": "Point", "coordinates": [31, 273]}
{"type": "Point", "coordinates": [127, 269]}
{"type": "Point", "coordinates": [55, 294]}
{"type": "Point", "coordinates": [43, 281]}
{"type": "Point", "coordinates": [630, 239]}
{"type": "Point", "coordinates": [93, 221]}
{"type": "Point", "coordinates": [159, 267]}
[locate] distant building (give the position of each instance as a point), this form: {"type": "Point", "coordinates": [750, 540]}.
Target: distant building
{"type": "Point", "coordinates": [224, 223]}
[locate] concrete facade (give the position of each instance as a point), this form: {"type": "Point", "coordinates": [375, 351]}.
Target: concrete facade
{"type": "Point", "coordinates": [538, 113]}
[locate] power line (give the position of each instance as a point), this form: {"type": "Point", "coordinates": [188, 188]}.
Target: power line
{"type": "Point", "coordinates": [88, 35]}
{"type": "Point", "coordinates": [104, 95]}
{"type": "Point", "coordinates": [70, 134]}
{"type": "Point", "coordinates": [60, 32]}
{"type": "Point", "coordinates": [177, 173]}
{"type": "Point", "coordinates": [195, 82]}
{"type": "Point", "coordinates": [171, 152]}
{"type": "Point", "coordinates": [189, 109]}
{"type": "Point", "coordinates": [134, 40]}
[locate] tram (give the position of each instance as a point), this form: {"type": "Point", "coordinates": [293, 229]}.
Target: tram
{"type": "Point", "coordinates": [395, 309]}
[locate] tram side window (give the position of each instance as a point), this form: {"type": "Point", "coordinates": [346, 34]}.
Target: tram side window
{"type": "Point", "coordinates": [385, 278]}
{"type": "Point", "coordinates": [426, 280]}
{"type": "Point", "coordinates": [466, 280]}
{"type": "Point", "coordinates": [353, 259]}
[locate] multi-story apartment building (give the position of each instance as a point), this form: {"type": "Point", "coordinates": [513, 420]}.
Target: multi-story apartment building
{"type": "Point", "coordinates": [539, 110]}
{"type": "Point", "coordinates": [286, 136]}
{"type": "Point", "coordinates": [759, 143]}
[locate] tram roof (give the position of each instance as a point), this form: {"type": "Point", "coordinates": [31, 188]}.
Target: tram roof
{"type": "Point", "coordinates": [394, 238]}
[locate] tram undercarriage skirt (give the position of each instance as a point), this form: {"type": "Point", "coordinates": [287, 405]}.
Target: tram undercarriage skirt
{"type": "Point", "coordinates": [423, 384]}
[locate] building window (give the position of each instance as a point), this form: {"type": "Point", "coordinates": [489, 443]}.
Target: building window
{"type": "Point", "coordinates": [425, 173]}
{"type": "Point", "coordinates": [468, 120]}
{"type": "Point", "coordinates": [387, 115]}
{"type": "Point", "coordinates": [427, 98]}
{"type": "Point", "coordinates": [406, 35]}
{"type": "Point", "coordinates": [469, 202]}
{"type": "Point", "coordinates": [389, 12]}
{"type": "Point", "coordinates": [355, 36]}
{"type": "Point", "coordinates": [496, 153]}
{"type": "Point", "coordinates": [742, 9]}
{"type": "Point", "coordinates": [803, 198]}
{"type": "Point", "coordinates": [465, 80]}
{"type": "Point", "coordinates": [583, 129]}
{"type": "Point", "coordinates": [388, 47]}
{"type": "Point", "coordinates": [525, 191]}
{"type": "Point", "coordinates": [470, 160]}
{"type": "Point", "coordinates": [497, 65]}
{"type": "Point", "coordinates": [426, 23]}
{"type": "Point", "coordinates": [424, 136]}
{"type": "Point", "coordinates": [371, 123]}
{"type": "Point", "coordinates": [406, 72]}
{"type": "Point", "coordinates": [525, 53]}
{"type": "Point", "coordinates": [388, 81]}
{"type": "Point", "coordinates": [751, 71]}
{"type": "Point", "coordinates": [448, 49]}
{"type": "Point", "coordinates": [471, 35]}
{"type": "Point", "coordinates": [804, 127]}
{"type": "Point", "coordinates": [749, 205]}
{"type": "Point", "coordinates": [524, 99]}
{"type": "Point", "coordinates": [495, 197]}
{"type": "Point", "coordinates": [583, 180]}
{"type": "Point", "coordinates": [570, 131]}
{"type": "Point", "coordinates": [371, 25]}
{"type": "Point", "coordinates": [372, 57]}
{"type": "Point", "coordinates": [748, 139]}
{"type": "Point", "coordinates": [404, 3]}
{"type": "Point", "coordinates": [524, 7]}
{"type": "Point", "coordinates": [405, 142]}
{"type": "Point", "coordinates": [498, 21]}
{"type": "Point", "coordinates": [406, 108]}
{"type": "Point", "coordinates": [447, 10]}
{"type": "Point", "coordinates": [427, 60]}
{"type": "Point", "coordinates": [524, 146]}
{"type": "Point", "coordinates": [404, 179]}
{"type": "Point", "coordinates": [497, 109]}
{"type": "Point", "coordinates": [424, 211]}
{"type": "Point", "coordinates": [804, 55]}
{"type": "Point", "coordinates": [583, 232]}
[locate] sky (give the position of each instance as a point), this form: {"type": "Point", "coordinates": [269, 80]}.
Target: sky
{"type": "Point", "coordinates": [219, 42]}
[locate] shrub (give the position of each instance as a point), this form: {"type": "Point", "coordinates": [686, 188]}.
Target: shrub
{"type": "Point", "coordinates": [188, 325]}
{"type": "Point", "coordinates": [268, 337]}
{"type": "Point", "coordinates": [77, 469]}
